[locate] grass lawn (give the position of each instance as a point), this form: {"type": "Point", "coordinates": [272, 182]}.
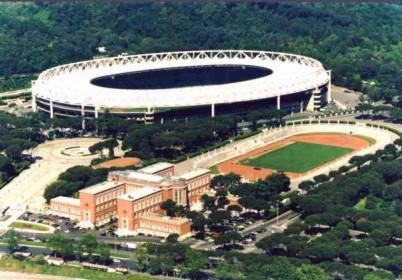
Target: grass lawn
{"type": "Point", "coordinates": [4, 218]}
{"type": "Point", "coordinates": [214, 170]}
{"type": "Point", "coordinates": [361, 204]}
{"type": "Point", "coordinates": [297, 157]}
{"type": "Point", "coordinates": [27, 225]}
{"type": "Point", "coordinates": [9, 264]}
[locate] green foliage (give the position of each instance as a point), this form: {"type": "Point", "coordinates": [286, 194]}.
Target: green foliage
{"type": "Point", "coordinates": [174, 140]}
{"type": "Point", "coordinates": [74, 179]}
{"type": "Point", "coordinates": [61, 245]}
{"type": "Point", "coordinates": [170, 207]}
{"type": "Point", "coordinates": [11, 238]}
{"type": "Point", "coordinates": [359, 42]}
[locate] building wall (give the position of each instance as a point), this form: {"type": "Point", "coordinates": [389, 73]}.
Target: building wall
{"type": "Point", "coordinates": [167, 172]}
{"type": "Point", "coordinates": [131, 184]}
{"type": "Point", "coordinates": [129, 211]}
{"type": "Point", "coordinates": [163, 227]}
{"type": "Point", "coordinates": [197, 186]}
{"type": "Point", "coordinates": [97, 209]}
{"type": "Point", "coordinates": [64, 210]}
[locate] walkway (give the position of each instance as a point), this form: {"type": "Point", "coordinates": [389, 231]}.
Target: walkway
{"type": "Point", "coordinates": [25, 192]}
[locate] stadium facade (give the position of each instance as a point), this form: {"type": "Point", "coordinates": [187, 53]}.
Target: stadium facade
{"type": "Point", "coordinates": [173, 85]}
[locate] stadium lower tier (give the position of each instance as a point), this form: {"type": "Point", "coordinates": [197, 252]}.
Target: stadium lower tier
{"type": "Point", "coordinates": [310, 100]}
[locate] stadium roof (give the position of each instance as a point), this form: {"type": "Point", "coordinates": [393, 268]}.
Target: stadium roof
{"type": "Point", "coordinates": [70, 83]}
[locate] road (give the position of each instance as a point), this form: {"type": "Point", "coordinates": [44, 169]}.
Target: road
{"type": "Point", "coordinates": [41, 250]}
{"type": "Point", "coordinates": [14, 93]}
{"type": "Point", "coordinates": [277, 224]}
{"type": "Point", "coordinates": [273, 226]}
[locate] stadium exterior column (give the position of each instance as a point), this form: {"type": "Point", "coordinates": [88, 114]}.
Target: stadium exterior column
{"type": "Point", "coordinates": [33, 97]}
{"type": "Point", "coordinates": [51, 108]}
{"type": "Point", "coordinates": [34, 103]}
{"type": "Point", "coordinates": [329, 94]}
{"type": "Point", "coordinates": [212, 110]}
{"type": "Point", "coordinates": [278, 102]}
{"type": "Point", "coordinates": [96, 112]}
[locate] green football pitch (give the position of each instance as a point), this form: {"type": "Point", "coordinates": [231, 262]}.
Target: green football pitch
{"type": "Point", "coordinates": [297, 157]}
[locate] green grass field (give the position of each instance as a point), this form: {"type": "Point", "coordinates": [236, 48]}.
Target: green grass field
{"type": "Point", "coordinates": [28, 225]}
{"type": "Point", "coordinates": [297, 157]}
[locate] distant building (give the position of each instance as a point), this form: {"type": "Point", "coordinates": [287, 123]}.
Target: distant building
{"type": "Point", "coordinates": [134, 198]}
{"type": "Point", "coordinates": [65, 207]}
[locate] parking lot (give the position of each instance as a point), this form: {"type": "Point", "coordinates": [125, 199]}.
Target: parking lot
{"type": "Point", "coordinates": [66, 226]}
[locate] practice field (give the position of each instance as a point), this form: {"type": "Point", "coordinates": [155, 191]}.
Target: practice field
{"type": "Point", "coordinates": [298, 157]}
{"type": "Point", "coordinates": [295, 155]}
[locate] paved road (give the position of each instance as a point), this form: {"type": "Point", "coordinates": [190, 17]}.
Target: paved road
{"type": "Point", "coordinates": [273, 225]}
{"type": "Point", "coordinates": [12, 93]}
{"type": "Point", "coordinates": [40, 250]}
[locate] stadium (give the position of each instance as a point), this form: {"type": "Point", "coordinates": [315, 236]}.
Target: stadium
{"type": "Point", "coordinates": [180, 85]}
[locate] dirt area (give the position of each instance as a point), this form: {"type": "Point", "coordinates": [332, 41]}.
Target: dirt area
{"type": "Point", "coordinates": [118, 162]}
{"type": "Point", "coordinates": [345, 98]}
{"type": "Point", "coordinates": [251, 173]}
{"type": "Point", "coordinates": [337, 140]}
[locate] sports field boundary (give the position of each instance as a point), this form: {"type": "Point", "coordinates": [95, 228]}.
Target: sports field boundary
{"type": "Point", "coordinates": [381, 134]}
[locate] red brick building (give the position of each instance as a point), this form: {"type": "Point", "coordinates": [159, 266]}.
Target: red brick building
{"type": "Point", "coordinates": [134, 198]}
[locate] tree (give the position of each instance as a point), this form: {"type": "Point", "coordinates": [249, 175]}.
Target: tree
{"type": "Point", "coordinates": [195, 262]}
{"type": "Point", "coordinates": [103, 250]}
{"type": "Point", "coordinates": [381, 236]}
{"type": "Point", "coordinates": [391, 149]}
{"type": "Point", "coordinates": [218, 219]}
{"type": "Point", "coordinates": [12, 239]}
{"type": "Point", "coordinates": [6, 166]}
{"type": "Point", "coordinates": [88, 244]}
{"type": "Point", "coordinates": [155, 265]}
{"type": "Point", "coordinates": [167, 263]}
{"type": "Point", "coordinates": [398, 142]}
{"type": "Point", "coordinates": [142, 257]}
{"type": "Point", "coordinates": [14, 152]}
{"type": "Point", "coordinates": [228, 271]}
{"type": "Point", "coordinates": [61, 245]}
{"type": "Point", "coordinates": [357, 161]}
{"type": "Point", "coordinates": [321, 178]}
{"type": "Point", "coordinates": [172, 238]}
{"type": "Point", "coordinates": [97, 147]}
{"type": "Point", "coordinates": [110, 144]}
{"type": "Point", "coordinates": [208, 202]}
{"type": "Point", "coordinates": [271, 242]}
{"type": "Point", "coordinates": [198, 222]}
{"type": "Point", "coordinates": [313, 272]}
{"type": "Point", "coordinates": [307, 185]}
{"type": "Point", "coordinates": [170, 207]}
{"type": "Point", "coordinates": [278, 182]}
{"type": "Point", "coordinates": [379, 275]}
{"type": "Point", "coordinates": [227, 182]}
{"type": "Point", "coordinates": [228, 237]}
{"type": "Point", "coordinates": [221, 198]}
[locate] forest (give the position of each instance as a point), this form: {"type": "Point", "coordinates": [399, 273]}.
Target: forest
{"type": "Point", "coordinates": [360, 43]}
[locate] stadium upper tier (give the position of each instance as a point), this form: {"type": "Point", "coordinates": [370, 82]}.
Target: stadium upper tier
{"type": "Point", "coordinates": [145, 82]}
